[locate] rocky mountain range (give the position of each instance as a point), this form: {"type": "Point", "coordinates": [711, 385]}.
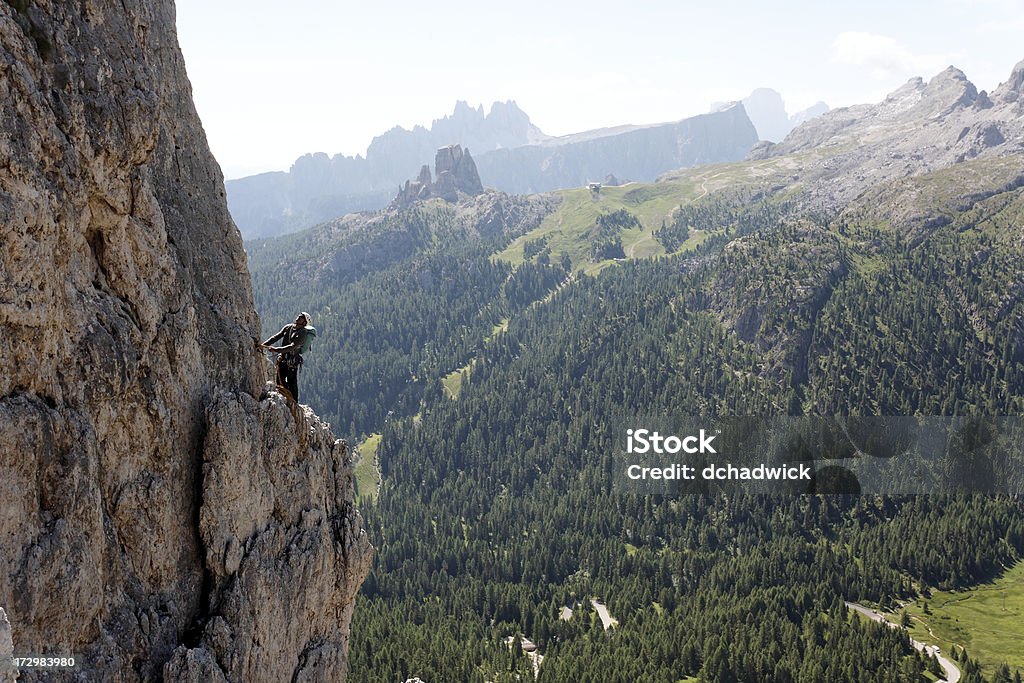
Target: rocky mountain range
{"type": "Point", "coordinates": [870, 263]}
{"type": "Point", "coordinates": [319, 187]}
{"type": "Point", "coordinates": [164, 514]}
{"type": "Point", "coordinates": [512, 155]}
{"type": "Point", "coordinates": [920, 127]}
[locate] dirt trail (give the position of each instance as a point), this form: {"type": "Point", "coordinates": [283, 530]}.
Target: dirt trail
{"type": "Point", "coordinates": [704, 186]}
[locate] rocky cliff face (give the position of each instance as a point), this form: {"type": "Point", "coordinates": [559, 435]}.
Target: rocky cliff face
{"type": "Point", "coordinates": [767, 112]}
{"type": "Point", "coordinates": [161, 513]}
{"type": "Point", "coordinates": [7, 674]}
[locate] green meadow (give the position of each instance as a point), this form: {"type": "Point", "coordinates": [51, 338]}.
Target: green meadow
{"type": "Point", "coordinates": [987, 620]}
{"type": "Point", "coordinates": [367, 476]}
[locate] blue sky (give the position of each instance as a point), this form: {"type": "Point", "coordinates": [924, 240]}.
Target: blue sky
{"type": "Point", "coordinates": [275, 80]}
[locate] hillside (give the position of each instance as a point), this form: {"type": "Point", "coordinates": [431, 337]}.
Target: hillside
{"type": "Point", "coordinates": [815, 282]}
{"type": "Point", "coordinates": [514, 507]}
{"type": "Point", "coordinates": [917, 128]}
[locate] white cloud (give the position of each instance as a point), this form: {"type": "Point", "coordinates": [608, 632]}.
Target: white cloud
{"type": "Point", "coordinates": [885, 57]}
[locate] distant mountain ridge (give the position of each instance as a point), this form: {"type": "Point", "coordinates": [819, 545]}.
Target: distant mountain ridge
{"type": "Point", "coordinates": [639, 153]}
{"type": "Point", "coordinates": [767, 111]}
{"type": "Point", "coordinates": [512, 155]}
{"type": "Point", "coordinates": [319, 187]}
{"type": "Point", "coordinates": [506, 125]}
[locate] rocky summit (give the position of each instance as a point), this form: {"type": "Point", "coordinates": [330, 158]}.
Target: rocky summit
{"type": "Point", "coordinates": [165, 514]}
{"type": "Point", "coordinates": [767, 112]}
{"type": "Point", "coordinates": [456, 175]}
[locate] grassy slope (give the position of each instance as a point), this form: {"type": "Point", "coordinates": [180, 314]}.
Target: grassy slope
{"type": "Point", "coordinates": [651, 203]}
{"type": "Point", "coordinates": [452, 382]}
{"type": "Point", "coordinates": [566, 228]}
{"type": "Point", "coordinates": [988, 620]}
{"type": "Point", "coordinates": [367, 476]}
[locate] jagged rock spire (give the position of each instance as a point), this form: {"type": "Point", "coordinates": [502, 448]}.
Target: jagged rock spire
{"type": "Point", "coordinates": [456, 175]}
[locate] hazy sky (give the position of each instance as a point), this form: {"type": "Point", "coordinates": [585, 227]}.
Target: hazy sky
{"type": "Point", "coordinates": [274, 80]}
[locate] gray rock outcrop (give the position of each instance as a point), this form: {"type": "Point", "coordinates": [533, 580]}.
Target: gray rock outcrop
{"type": "Point", "coordinates": [767, 112]}
{"type": "Point", "coordinates": [1011, 90]}
{"type": "Point", "coordinates": [153, 518]}
{"type": "Point", "coordinates": [456, 177]}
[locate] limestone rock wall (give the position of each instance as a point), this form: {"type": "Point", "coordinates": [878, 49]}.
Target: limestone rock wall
{"type": "Point", "coordinates": [126, 321]}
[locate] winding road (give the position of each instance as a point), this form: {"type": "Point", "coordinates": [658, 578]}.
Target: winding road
{"type": "Point", "coordinates": [952, 672]}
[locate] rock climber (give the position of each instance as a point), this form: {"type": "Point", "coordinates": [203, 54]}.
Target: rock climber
{"type": "Point", "coordinates": [296, 339]}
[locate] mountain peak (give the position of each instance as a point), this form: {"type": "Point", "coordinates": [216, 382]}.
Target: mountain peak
{"type": "Point", "coordinates": [812, 112]}
{"type": "Point", "coordinates": [771, 93]}
{"type": "Point", "coordinates": [464, 112]}
{"type": "Point", "coordinates": [507, 110]}
{"type": "Point", "coordinates": [767, 112]}
{"type": "Point", "coordinates": [950, 73]}
{"type": "Point", "coordinates": [913, 85]}
{"type": "Point", "coordinates": [456, 175]}
{"type": "Point", "coordinates": [1011, 90]}
{"type": "Point", "coordinates": [507, 104]}
{"type": "Point", "coordinates": [948, 90]}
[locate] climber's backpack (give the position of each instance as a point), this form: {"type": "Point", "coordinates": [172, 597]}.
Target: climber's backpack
{"type": "Point", "coordinates": [307, 343]}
